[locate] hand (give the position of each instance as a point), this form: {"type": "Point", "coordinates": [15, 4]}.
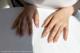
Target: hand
{"type": "Point", "coordinates": [23, 23]}
{"type": "Point", "coordinates": [56, 23]}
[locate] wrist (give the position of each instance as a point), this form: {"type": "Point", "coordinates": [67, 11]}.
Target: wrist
{"type": "Point", "coordinates": [69, 10]}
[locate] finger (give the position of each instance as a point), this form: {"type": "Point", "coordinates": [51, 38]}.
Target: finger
{"type": "Point", "coordinates": [16, 22]}
{"type": "Point", "coordinates": [58, 34]}
{"type": "Point", "coordinates": [29, 22]}
{"type": "Point", "coordinates": [36, 18]}
{"type": "Point", "coordinates": [65, 33]}
{"type": "Point", "coordinates": [47, 20]}
{"type": "Point", "coordinates": [19, 30]}
{"type": "Point", "coordinates": [53, 33]}
{"type": "Point", "coordinates": [48, 28]}
{"type": "Point", "coordinates": [25, 25]}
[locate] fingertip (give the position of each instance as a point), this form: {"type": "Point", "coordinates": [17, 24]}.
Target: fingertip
{"type": "Point", "coordinates": [54, 41]}
{"type": "Point", "coordinates": [37, 25]}
{"type": "Point", "coordinates": [43, 34]}
{"type": "Point", "coordinates": [50, 40]}
{"type": "Point", "coordinates": [65, 39]}
{"type": "Point", "coordinates": [43, 25]}
{"type": "Point", "coordinates": [65, 34]}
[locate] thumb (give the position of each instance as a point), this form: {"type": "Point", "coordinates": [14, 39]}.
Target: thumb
{"type": "Point", "coordinates": [36, 18]}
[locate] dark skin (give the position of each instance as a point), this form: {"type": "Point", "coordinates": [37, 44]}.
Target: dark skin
{"type": "Point", "coordinates": [23, 23]}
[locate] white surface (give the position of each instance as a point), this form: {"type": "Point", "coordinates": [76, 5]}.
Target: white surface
{"type": "Point", "coordinates": [40, 45]}
{"type": "Point", "coordinates": [52, 3]}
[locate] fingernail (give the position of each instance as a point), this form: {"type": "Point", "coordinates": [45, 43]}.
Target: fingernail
{"type": "Point", "coordinates": [37, 25]}
{"type": "Point", "coordinates": [42, 25]}
{"type": "Point", "coordinates": [54, 41]}
{"type": "Point", "coordinates": [43, 34]}
{"type": "Point", "coordinates": [65, 39]}
{"type": "Point", "coordinates": [50, 40]}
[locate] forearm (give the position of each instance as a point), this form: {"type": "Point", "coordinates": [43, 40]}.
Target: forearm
{"type": "Point", "coordinates": [74, 7]}
{"type": "Point", "coordinates": [68, 10]}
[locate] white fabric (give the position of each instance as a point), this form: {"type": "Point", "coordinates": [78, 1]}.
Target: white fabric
{"type": "Point", "coordinates": [52, 3]}
{"type": "Point", "coordinates": [72, 45]}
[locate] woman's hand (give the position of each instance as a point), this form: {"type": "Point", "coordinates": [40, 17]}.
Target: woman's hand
{"type": "Point", "coordinates": [56, 23]}
{"type": "Point", "coordinates": [23, 23]}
